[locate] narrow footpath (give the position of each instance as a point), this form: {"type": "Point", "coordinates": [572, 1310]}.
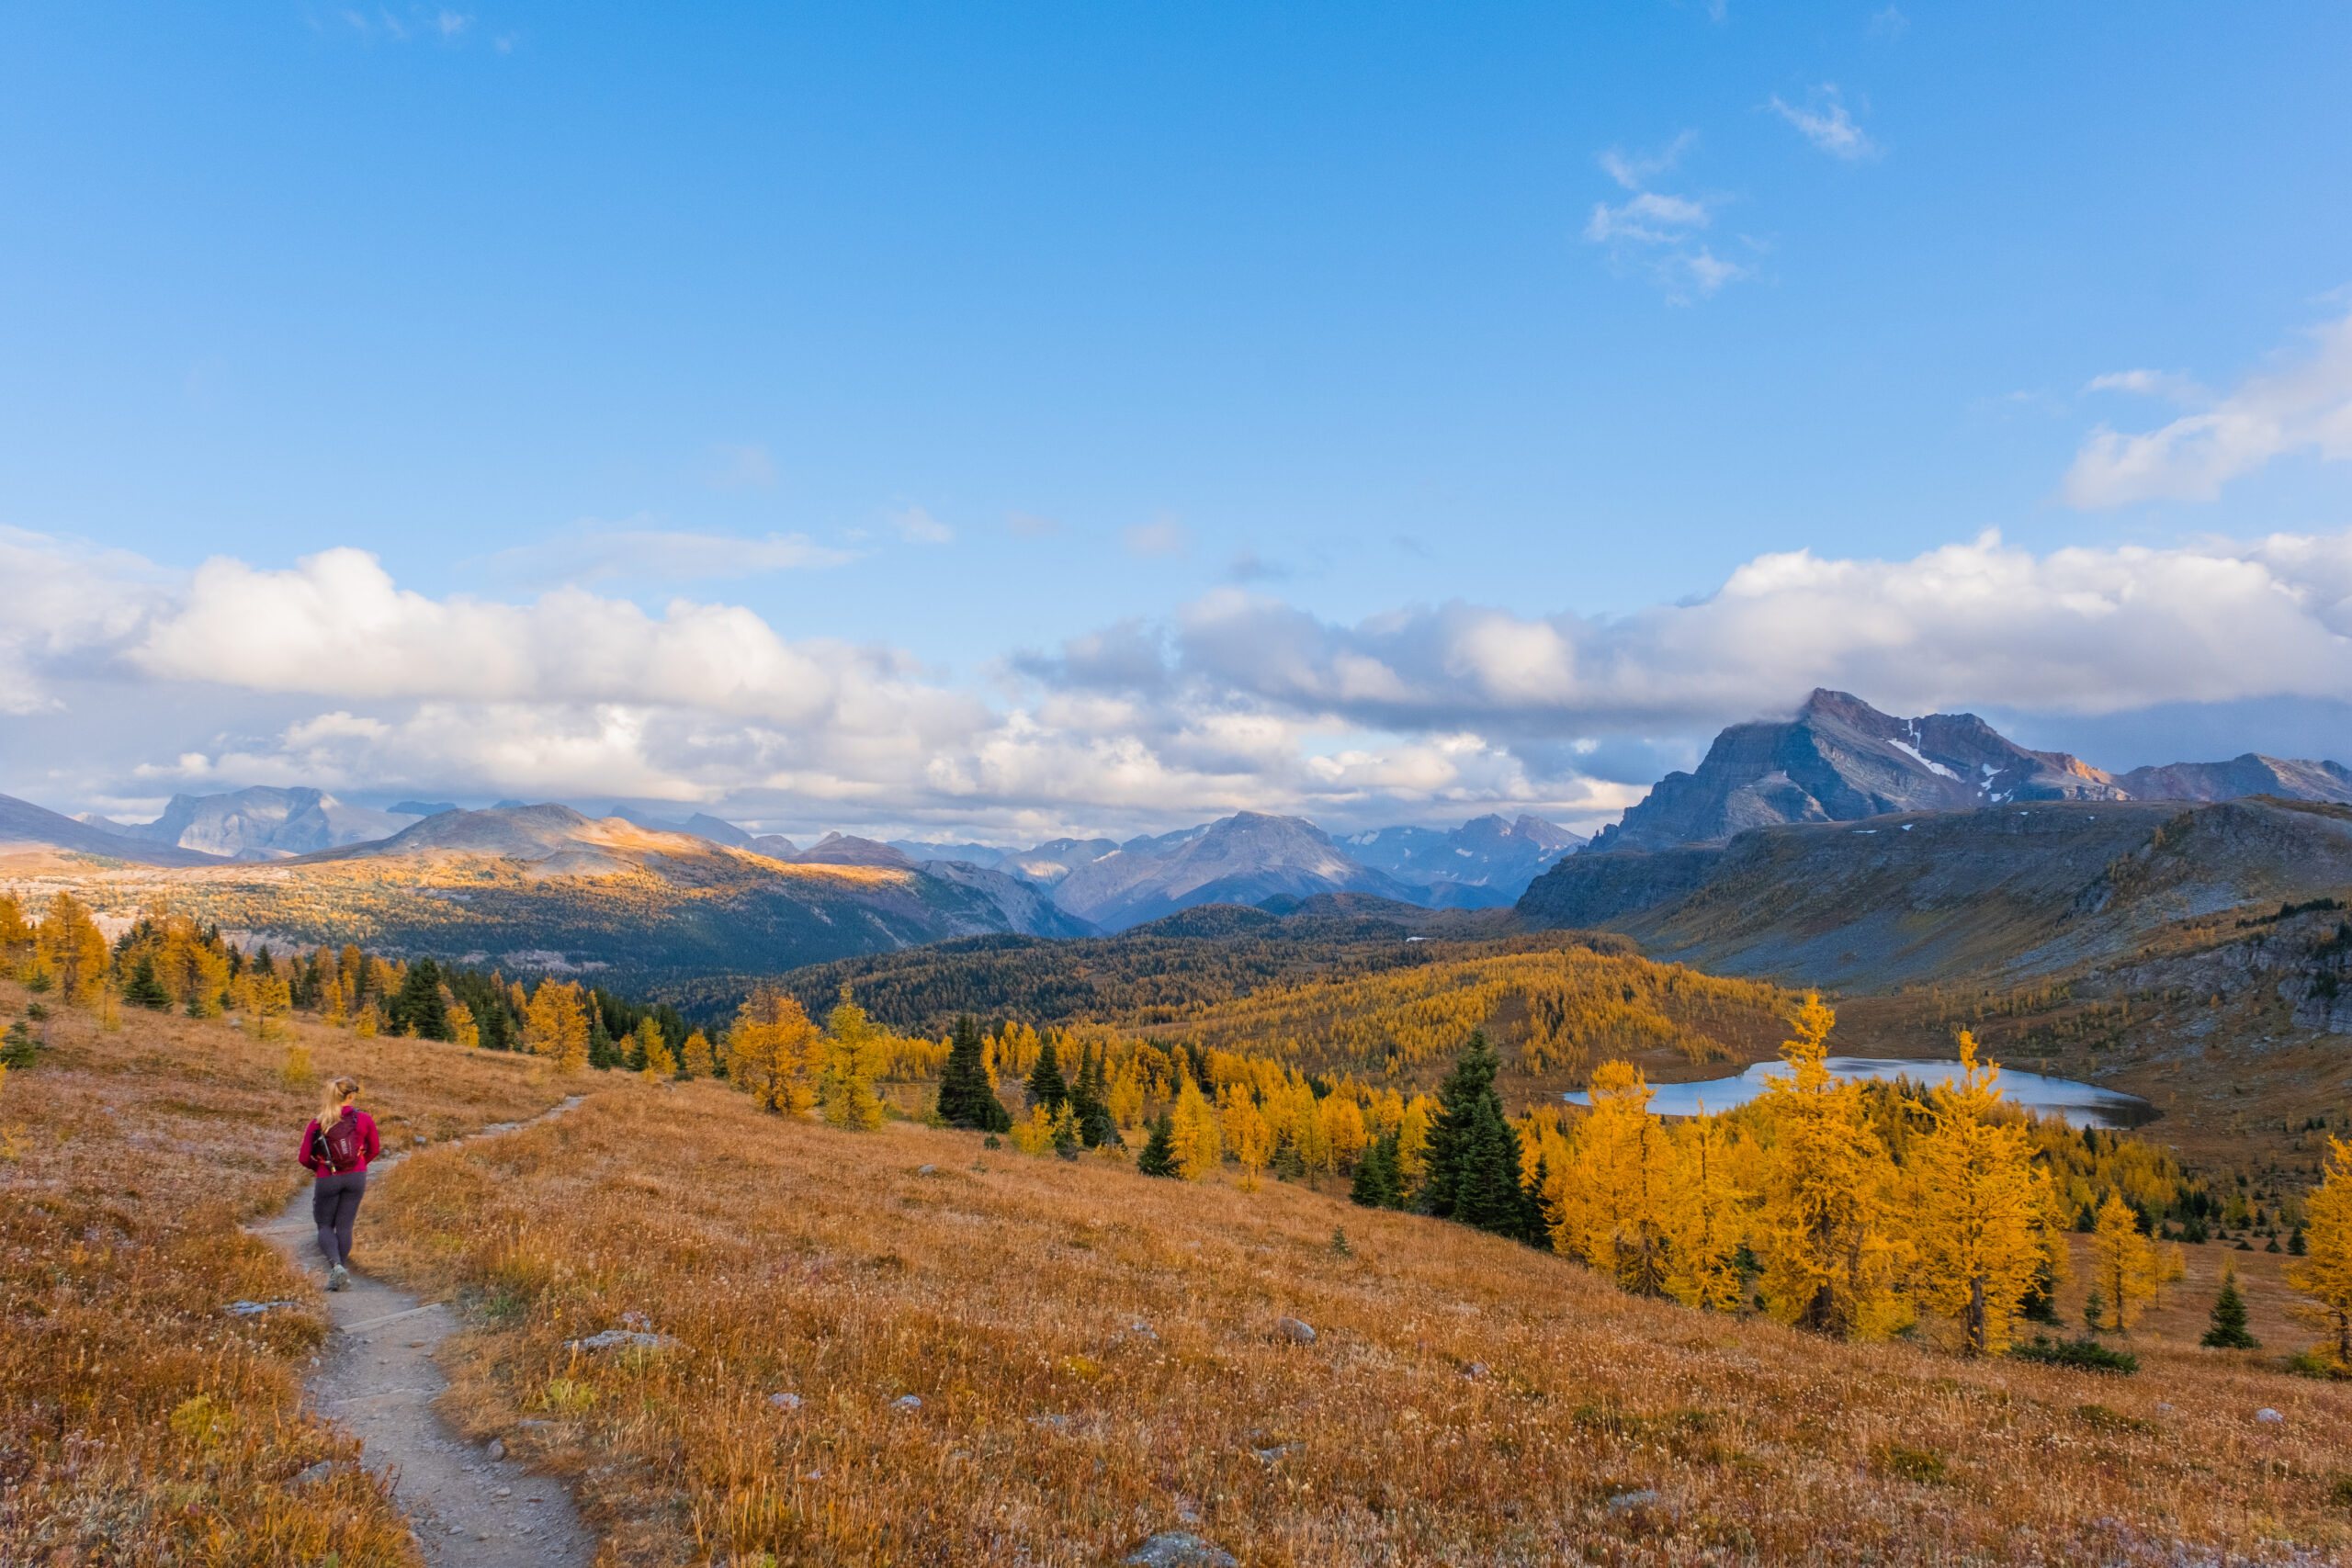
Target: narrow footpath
{"type": "Point", "coordinates": [469, 1506]}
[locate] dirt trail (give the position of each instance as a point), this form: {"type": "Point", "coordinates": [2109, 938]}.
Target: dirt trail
{"type": "Point", "coordinates": [376, 1379]}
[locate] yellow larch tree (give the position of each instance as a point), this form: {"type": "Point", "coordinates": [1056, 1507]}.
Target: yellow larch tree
{"type": "Point", "coordinates": [2126, 1269]}
{"type": "Point", "coordinates": [1704, 1216]}
{"type": "Point", "coordinates": [1343, 1129]}
{"type": "Point", "coordinates": [74, 950]}
{"type": "Point", "coordinates": [2325, 1276]}
{"type": "Point", "coordinates": [1413, 1141]}
{"type": "Point", "coordinates": [696, 1058]}
{"type": "Point", "coordinates": [1977, 1240]}
{"type": "Point", "coordinates": [855, 1052]}
{"type": "Point", "coordinates": [1824, 1230]}
{"type": "Point", "coordinates": [1246, 1132]}
{"type": "Point", "coordinates": [1199, 1145]}
{"type": "Point", "coordinates": [659, 1063]}
{"type": "Point", "coordinates": [769, 1051]}
{"type": "Point", "coordinates": [17, 937]}
{"type": "Point", "coordinates": [555, 1026]}
{"type": "Point", "coordinates": [1611, 1198]}
{"type": "Point", "coordinates": [463, 1025]}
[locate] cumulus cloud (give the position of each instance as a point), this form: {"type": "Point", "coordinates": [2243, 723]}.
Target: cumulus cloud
{"type": "Point", "coordinates": [1826, 124]}
{"type": "Point", "coordinates": [338, 677]}
{"type": "Point", "coordinates": [1976, 624]}
{"type": "Point", "coordinates": [2305, 406]}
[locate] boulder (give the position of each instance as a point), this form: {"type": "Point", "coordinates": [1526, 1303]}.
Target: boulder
{"type": "Point", "coordinates": [1177, 1548]}
{"type": "Point", "coordinates": [1294, 1331]}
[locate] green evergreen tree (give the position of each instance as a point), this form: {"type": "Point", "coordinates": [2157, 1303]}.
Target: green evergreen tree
{"type": "Point", "coordinates": [2228, 1332]}
{"type": "Point", "coordinates": [601, 1050]}
{"type": "Point", "coordinates": [2296, 1245]}
{"type": "Point", "coordinates": [1376, 1183]}
{"type": "Point", "coordinates": [1473, 1159]}
{"type": "Point", "coordinates": [417, 1009]}
{"type": "Point", "coordinates": [1534, 1227]}
{"type": "Point", "coordinates": [144, 990]}
{"type": "Point", "coordinates": [1046, 1085]}
{"type": "Point", "coordinates": [2094, 1310]}
{"type": "Point", "coordinates": [1159, 1157]}
{"type": "Point", "coordinates": [1090, 1102]}
{"type": "Point", "coordinates": [967, 1098]}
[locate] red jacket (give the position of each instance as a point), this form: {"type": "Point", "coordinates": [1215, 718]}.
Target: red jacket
{"type": "Point", "coordinates": [371, 1145]}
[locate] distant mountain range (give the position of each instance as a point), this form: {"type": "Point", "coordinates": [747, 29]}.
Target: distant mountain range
{"type": "Point", "coordinates": [260, 823]}
{"type": "Point", "coordinates": [1840, 759]}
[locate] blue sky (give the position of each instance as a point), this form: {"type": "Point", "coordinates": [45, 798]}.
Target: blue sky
{"type": "Point", "coordinates": [958, 345]}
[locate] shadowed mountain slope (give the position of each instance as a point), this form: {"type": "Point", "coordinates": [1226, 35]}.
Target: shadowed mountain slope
{"type": "Point", "coordinates": [33, 831]}
{"type": "Point", "coordinates": [2013, 891]}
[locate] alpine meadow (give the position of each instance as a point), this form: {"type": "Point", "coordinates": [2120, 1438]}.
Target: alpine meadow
{"type": "Point", "coordinates": [1027, 786]}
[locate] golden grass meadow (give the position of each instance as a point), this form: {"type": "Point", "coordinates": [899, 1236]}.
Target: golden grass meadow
{"type": "Point", "coordinates": [999, 1358]}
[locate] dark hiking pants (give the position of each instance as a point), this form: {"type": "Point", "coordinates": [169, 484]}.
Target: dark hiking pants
{"type": "Point", "coordinates": [334, 1204]}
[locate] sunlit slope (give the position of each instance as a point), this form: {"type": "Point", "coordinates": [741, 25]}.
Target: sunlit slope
{"type": "Point", "coordinates": [996, 1360]}
{"type": "Point", "coordinates": [541, 884]}
{"type": "Point", "coordinates": [1361, 994]}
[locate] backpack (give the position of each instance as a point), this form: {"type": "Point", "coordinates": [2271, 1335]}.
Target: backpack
{"type": "Point", "coordinates": [340, 1146]}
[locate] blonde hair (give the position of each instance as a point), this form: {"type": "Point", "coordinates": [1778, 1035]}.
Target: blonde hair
{"type": "Point", "coordinates": [337, 1092]}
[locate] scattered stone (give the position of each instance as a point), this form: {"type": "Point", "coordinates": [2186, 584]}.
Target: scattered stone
{"type": "Point", "coordinates": [250, 1309]}
{"type": "Point", "coordinates": [506, 1492]}
{"type": "Point", "coordinates": [1142, 1330]}
{"type": "Point", "coordinates": [1268, 1456]}
{"type": "Point", "coordinates": [315, 1473]}
{"type": "Point", "coordinates": [926, 1170]}
{"type": "Point", "coordinates": [909, 1402]}
{"type": "Point", "coordinates": [497, 1450]}
{"type": "Point", "coordinates": [2164, 1409]}
{"type": "Point", "coordinates": [1177, 1548]}
{"type": "Point", "coordinates": [535, 1424]}
{"type": "Point", "coordinates": [2268, 1416]}
{"type": "Point", "coordinates": [1294, 1331]}
{"type": "Point", "coordinates": [1474, 1370]}
{"type": "Point", "coordinates": [619, 1339]}
{"type": "Point", "coordinates": [1058, 1423]}
{"type": "Point", "coordinates": [1624, 1501]}
{"type": "Point", "coordinates": [784, 1401]}
{"type": "Point", "coordinates": [422, 1138]}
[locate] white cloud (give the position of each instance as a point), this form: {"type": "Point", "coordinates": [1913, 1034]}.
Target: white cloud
{"type": "Point", "coordinates": [1890, 24]}
{"type": "Point", "coordinates": [594, 552]}
{"type": "Point", "coordinates": [1828, 126]}
{"type": "Point", "coordinates": [1161, 536]}
{"type": "Point", "coordinates": [1650, 217]}
{"type": "Point", "coordinates": [1030, 526]}
{"type": "Point", "coordinates": [2304, 407]}
{"type": "Point", "coordinates": [1635, 170]}
{"type": "Point", "coordinates": [334, 675]}
{"type": "Point", "coordinates": [920, 527]}
{"type": "Point", "coordinates": [2172, 386]}
{"type": "Point", "coordinates": [1981, 624]}
{"type": "Point", "coordinates": [1656, 233]}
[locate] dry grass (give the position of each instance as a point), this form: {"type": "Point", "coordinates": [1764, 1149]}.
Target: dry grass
{"type": "Point", "coordinates": [139, 1422]}
{"type": "Point", "coordinates": [1466, 1400]}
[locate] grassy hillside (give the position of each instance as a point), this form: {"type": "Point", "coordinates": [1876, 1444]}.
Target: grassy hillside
{"type": "Point", "coordinates": [142, 1423]}
{"type": "Point", "coordinates": [1465, 1399]}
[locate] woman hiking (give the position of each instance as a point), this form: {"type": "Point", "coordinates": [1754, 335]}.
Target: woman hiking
{"type": "Point", "coordinates": [336, 1147]}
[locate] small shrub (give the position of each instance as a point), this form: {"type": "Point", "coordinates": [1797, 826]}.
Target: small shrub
{"type": "Point", "coordinates": [2099, 1418]}
{"type": "Point", "coordinates": [2081, 1355]}
{"type": "Point", "coordinates": [568, 1397]}
{"type": "Point", "coordinates": [2316, 1362]}
{"type": "Point", "coordinates": [2339, 1491]}
{"type": "Point", "coordinates": [1915, 1464]}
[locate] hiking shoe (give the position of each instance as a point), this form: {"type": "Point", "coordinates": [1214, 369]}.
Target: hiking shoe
{"type": "Point", "coordinates": [338, 1278]}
